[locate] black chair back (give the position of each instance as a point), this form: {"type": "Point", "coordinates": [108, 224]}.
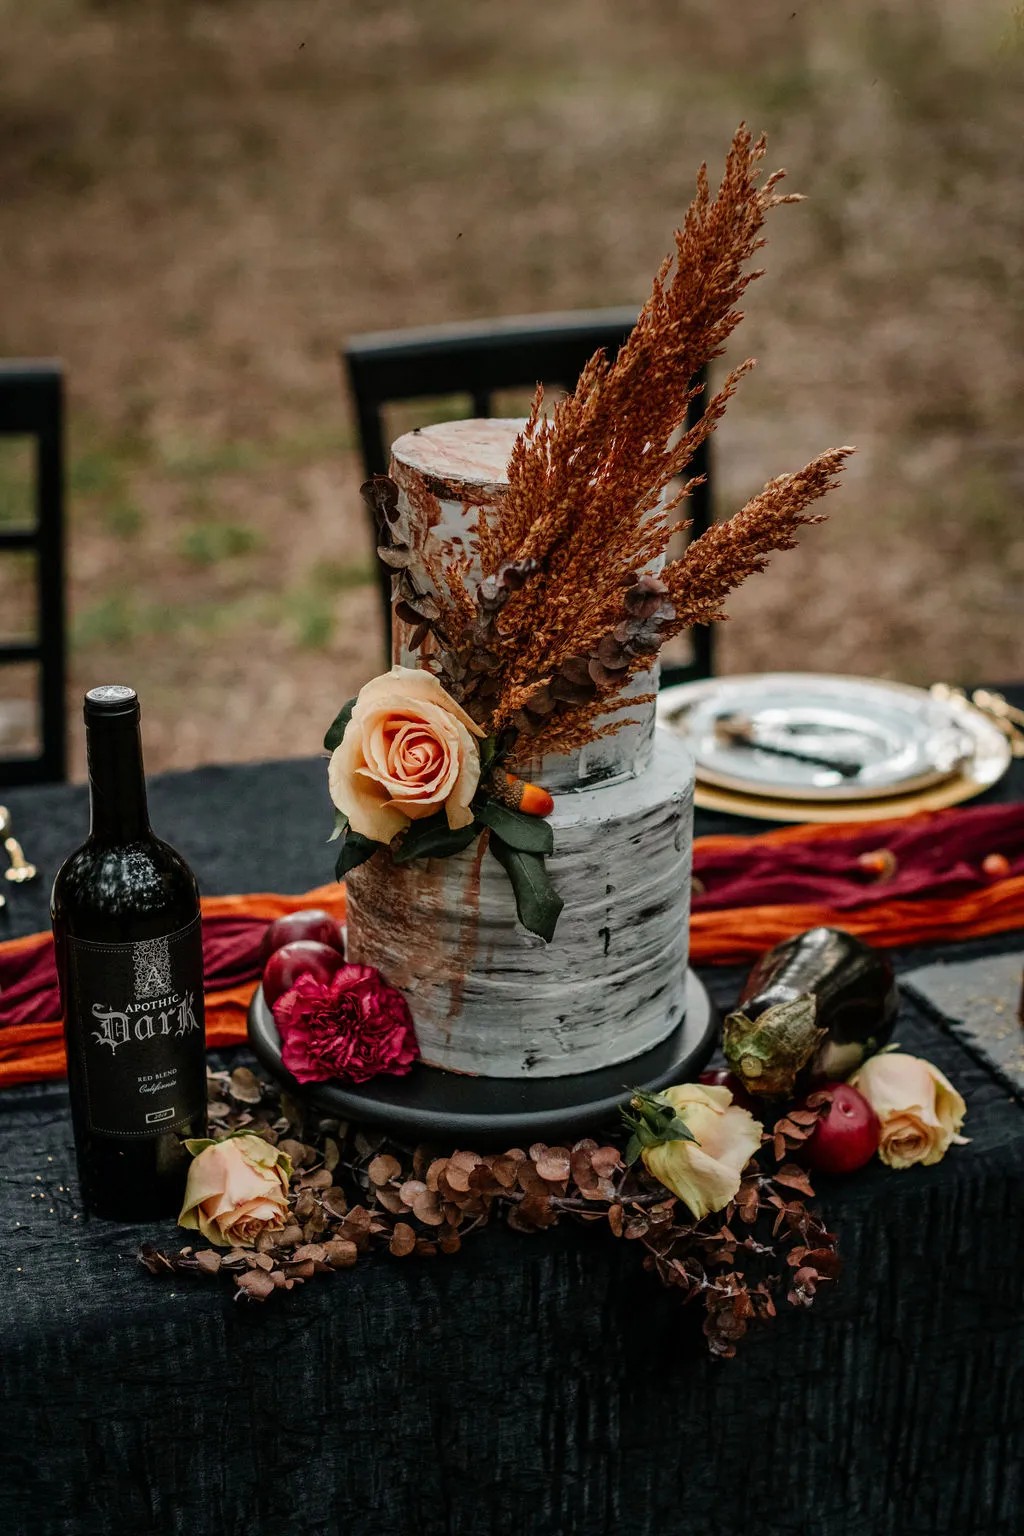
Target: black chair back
{"type": "Point", "coordinates": [32, 406]}
{"type": "Point", "coordinates": [480, 358]}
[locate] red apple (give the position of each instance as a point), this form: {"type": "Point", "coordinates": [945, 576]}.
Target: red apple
{"type": "Point", "coordinates": [846, 1136]}
{"type": "Point", "coordinates": [303, 958]}
{"type": "Point", "coordinates": [315, 924]}
{"type": "Point", "coordinates": [721, 1077]}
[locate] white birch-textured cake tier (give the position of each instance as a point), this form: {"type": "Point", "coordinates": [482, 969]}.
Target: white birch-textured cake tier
{"type": "Point", "coordinates": [445, 475]}
{"type": "Point", "coordinates": [487, 997]}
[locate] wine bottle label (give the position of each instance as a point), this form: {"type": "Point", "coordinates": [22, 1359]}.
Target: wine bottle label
{"type": "Point", "coordinates": [138, 1020]}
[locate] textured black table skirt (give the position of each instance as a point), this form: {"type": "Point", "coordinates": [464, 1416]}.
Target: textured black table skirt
{"type": "Point", "coordinates": [529, 1385]}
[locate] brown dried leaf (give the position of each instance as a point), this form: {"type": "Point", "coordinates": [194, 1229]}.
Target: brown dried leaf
{"type": "Point", "coordinates": [529, 1179]}
{"type": "Point", "coordinates": [434, 1172]}
{"type": "Point", "coordinates": [804, 1117]}
{"type": "Point", "coordinates": [403, 1240]}
{"type": "Point", "coordinates": [410, 1189]}
{"type": "Point", "coordinates": [391, 1200]}
{"type": "Point", "coordinates": [334, 1203]}
{"type": "Point", "coordinates": [792, 1177]}
{"type": "Point", "coordinates": [341, 1254]}
{"type": "Point", "coordinates": [616, 1219]}
{"type": "Point", "coordinates": [427, 1208]}
{"type": "Point", "coordinates": [245, 1086]}
{"type": "Point", "coordinates": [384, 1168]}
{"type": "Point", "coordinates": [367, 1143]}
{"type": "Point", "coordinates": [505, 1169]}
{"type": "Point", "coordinates": [747, 1201]}
{"type": "Point", "coordinates": [537, 1211]}
{"type": "Point", "coordinates": [314, 1251]}
{"type": "Point", "coordinates": [208, 1261]}
{"type": "Point", "coordinates": [321, 1179]}
{"type": "Point", "coordinates": [301, 1154]}
{"type": "Point", "coordinates": [298, 1269]}
{"type": "Point", "coordinates": [553, 1166]}
{"type": "Point", "coordinates": [357, 1222]}
{"type": "Point", "coordinates": [255, 1284]}
{"type": "Point", "coordinates": [606, 1161]}
{"type": "Point", "coordinates": [455, 1180]}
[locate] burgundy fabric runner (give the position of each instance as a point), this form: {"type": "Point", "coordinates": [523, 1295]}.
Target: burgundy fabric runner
{"type": "Point", "coordinates": [749, 892]}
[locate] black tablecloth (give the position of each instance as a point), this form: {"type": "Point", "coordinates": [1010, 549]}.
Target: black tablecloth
{"type": "Point", "coordinates": [530, 1385]}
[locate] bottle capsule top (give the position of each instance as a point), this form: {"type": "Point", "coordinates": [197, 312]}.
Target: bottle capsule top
{"type": "Point", "coordinates": [111, 699]}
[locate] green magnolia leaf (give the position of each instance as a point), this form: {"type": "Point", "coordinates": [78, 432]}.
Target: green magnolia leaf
{"type": "Point", "coordinates": [488, 752]}
{"type": "Point", "coordinates": [340, 826]}
{"type": "Point", "coordinates": [336, 729]}
{"type": "Point", "coordinates": [355, 850]}
{"type": "Point", "coordinates": [433, 838]}
{"type": "Point", "coordinates": [537, 902]}
{"type": "Point", "coordinates": [529, 834]}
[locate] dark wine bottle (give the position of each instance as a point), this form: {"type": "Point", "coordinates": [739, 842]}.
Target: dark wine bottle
{"type": "Point", "coordinates": [126, 928]}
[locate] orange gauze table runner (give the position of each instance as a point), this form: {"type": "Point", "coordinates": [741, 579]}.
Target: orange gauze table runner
{"type": "Point", "coordinates": [33, 1050]}
{"type": "Point", "coordinates": [750, 892]}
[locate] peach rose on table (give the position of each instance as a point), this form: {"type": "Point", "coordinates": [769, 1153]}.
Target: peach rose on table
{"type": "Point", "coordinates": [706, 1173]}
{"type": "Point", "coordinates": [920, 1111]}
{"type": "Point", "coordinates": [237, 1189]}
{"type": "Point", "coordinates": [409, 751]}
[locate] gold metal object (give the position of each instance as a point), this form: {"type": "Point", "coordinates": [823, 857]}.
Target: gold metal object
{"type": "Point", "coordinates": [1006, 715]}
{"type": "Point", "coordinates": [20, 869]}
{"type": "Point", "coordinates": [1003, 715]}
{"type": "Point", "coordinates": [995, 704]}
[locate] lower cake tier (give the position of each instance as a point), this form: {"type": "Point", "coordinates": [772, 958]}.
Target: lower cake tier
{"type": "Point", "coordinates": [491, 999]}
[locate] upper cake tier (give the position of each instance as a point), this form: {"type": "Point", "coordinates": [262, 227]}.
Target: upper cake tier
{"type": "Point", "coordinates": [445, 475]}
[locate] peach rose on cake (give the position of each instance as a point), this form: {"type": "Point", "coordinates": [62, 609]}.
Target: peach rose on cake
{"type": "Point", "coordinates": [237, 1189]}
{"type": "Point", "coordinates": [409, 751]}
{"type": "Point", "coordinates": [920, 1110]}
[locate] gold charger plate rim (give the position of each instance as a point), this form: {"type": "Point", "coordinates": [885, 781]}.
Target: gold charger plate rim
{"type": "Point", "coordinates": [760, 808]}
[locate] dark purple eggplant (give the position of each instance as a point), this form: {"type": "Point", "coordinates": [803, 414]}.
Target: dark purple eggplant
{"type": "Point", "coordinates": [813, 1008]}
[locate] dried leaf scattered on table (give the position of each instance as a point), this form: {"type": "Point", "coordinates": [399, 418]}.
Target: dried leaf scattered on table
{"type": "Point", "coordinates": [353, 1192]}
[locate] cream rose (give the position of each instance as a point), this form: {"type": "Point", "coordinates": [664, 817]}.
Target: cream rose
{"type": "Point", "coordinates": [408, 751]}
{"type": "Point", "coordinates": [236, 1189]}
{"type": "Point", "coordinates": [705, 1174]}
{"type": "Point", "coordinates": [920, 1110]}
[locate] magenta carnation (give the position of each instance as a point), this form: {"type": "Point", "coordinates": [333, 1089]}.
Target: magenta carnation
{"type": "Point", "coordinates": [353, 1027]}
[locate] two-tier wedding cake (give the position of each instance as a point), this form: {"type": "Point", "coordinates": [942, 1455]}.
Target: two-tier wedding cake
{"type": "Point", "coordinates": [487, 996]}
{"type": "Point", "coordinates": [514, 833]}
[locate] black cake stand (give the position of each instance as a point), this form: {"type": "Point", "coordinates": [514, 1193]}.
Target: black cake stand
{"type": "Point", "coordinates": [438, 1106]}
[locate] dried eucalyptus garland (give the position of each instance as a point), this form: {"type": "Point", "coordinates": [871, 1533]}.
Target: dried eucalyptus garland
{"type": "Point", "coordinates": [353, 1192]}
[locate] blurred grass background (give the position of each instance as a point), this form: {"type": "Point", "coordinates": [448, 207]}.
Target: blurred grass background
{"type": "Point", "coordinates": [202, 198]}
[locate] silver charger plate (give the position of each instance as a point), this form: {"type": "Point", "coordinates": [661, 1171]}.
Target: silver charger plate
{"type": "Point", "coordinates": [898, 738]}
